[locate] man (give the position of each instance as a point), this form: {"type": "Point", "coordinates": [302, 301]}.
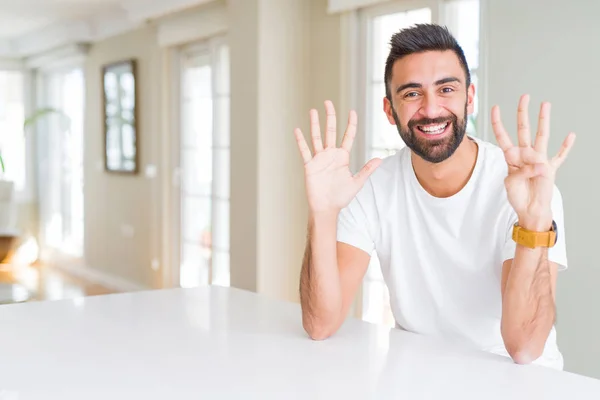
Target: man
{"type": "Point", "coordinates": [441, 213]}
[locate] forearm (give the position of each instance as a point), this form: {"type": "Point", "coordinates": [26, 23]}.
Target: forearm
{"type": "Point", "coordinates": [528, 308]}
{"type": "Point", "coordinates": [320, 287]}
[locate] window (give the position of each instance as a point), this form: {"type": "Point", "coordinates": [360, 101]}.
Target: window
{"type": "Point", "coordinates": [12, 135]}
{"type": "Point", "coordinates": [462, 18]}
{"type": "Point", "coordinates": [378, 24]}
{"type": "Point", "coordinates": [383, 137]}
{"type": "Point", "coordinates": [204, 166]}
{"type": "Point", "coordinates": [120, 102]}
{"type": "Point", "coordinates": [61, 161]}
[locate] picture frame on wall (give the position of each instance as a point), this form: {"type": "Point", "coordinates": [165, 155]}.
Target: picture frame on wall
{"type": "Point", "coordinates": [121, 134]}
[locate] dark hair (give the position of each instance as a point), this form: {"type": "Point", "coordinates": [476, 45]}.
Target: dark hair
{"type": "Point", "coordinates": [418, 39]}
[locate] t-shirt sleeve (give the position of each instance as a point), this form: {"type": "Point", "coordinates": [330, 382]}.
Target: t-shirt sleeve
{"type": "Point", "coordinates": [355, 222]}
{"type": "Point", "coordinates": [556, 254]}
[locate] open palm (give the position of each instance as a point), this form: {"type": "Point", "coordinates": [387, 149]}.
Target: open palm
{"type": "Point", "coordinates": [531, 175]}
{"type": "Point", "coordinates": [330, 185]}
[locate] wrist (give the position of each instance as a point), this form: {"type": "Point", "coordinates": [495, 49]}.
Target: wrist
{"type": "Point", "coordinates": [538, 223]}
{"type": "Point", "coordinates": [322, 216]}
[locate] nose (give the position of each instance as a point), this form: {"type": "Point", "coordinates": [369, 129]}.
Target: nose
{"type": "Point", "coordinates": [430, 107]}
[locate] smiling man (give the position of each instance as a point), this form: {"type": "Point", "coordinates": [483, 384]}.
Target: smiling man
{"type": "Point", "coordinates": [469, 235]}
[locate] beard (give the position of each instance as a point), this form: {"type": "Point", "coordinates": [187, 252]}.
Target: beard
{"type": "Point", "coordinates": [433, 150]}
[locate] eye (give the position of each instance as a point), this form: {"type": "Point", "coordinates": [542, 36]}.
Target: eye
{"type": "Point", "coordinates": [447, 90]}
{"type": "Point", "coordinates": [411, 95]}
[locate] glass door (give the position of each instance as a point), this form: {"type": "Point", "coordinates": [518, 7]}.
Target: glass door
{"type": "Point", "coordinates": [61, 172]}
{"type": "Point", "coordinates": [204, 165]}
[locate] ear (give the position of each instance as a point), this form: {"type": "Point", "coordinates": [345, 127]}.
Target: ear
{"type": "Point", "coordinates": [470, 99]}
{"type": "Point", "coordinates": [387, 108]}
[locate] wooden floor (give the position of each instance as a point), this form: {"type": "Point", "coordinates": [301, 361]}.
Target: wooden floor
{"type": "Point", "coordinates": [43, 282]}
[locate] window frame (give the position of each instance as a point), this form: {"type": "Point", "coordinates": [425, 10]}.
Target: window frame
{"type": "Point", "coordinates": [207, 47]}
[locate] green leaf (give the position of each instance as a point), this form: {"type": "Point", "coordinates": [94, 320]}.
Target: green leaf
{"type": "Point", "coordinates": [35, 117]}
{"type": "Point", "coordinates": [43, 112]}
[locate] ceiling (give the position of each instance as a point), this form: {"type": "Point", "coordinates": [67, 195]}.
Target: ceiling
{"type": "Point", "coordinates": [29, 27]}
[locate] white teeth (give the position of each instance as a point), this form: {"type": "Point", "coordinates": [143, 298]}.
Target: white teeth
{"type": "Point", "coordinates": [434, 128]}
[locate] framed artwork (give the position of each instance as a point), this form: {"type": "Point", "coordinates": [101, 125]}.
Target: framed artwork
{"type": "Point", "coordinates": [121, 141]}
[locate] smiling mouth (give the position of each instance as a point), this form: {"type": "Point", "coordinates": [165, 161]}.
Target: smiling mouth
{"type": "Point", "coordinates": [433, 129]}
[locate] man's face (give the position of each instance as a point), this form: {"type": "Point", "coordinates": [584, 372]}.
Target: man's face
{"type": "Point", "coordinates": [430, 103]}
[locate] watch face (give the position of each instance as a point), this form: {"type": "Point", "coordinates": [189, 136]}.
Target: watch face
{"type": "Point", "coordinates": [555, 229]}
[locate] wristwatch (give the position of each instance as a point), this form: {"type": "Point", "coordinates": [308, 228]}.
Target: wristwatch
{"type": "Point", "coordinates": [534, 239]}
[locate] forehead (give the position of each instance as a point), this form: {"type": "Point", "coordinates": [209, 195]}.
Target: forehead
{"type": "Point", "coordinates": [427, 67]}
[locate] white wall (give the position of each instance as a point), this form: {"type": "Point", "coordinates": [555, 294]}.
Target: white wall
{"type": "Point", "coordinates": [269, 42]}
{"type": "Point", "coordinates": [285, 59]}
{"type": "Point", "coordinates": [243, 42]}
{"type": "Point", "coordinates": [548, 48]}
{"type": "Point", "coordinates": [113, 201]}
{"type": "Point", "coordinates": [283, 76]}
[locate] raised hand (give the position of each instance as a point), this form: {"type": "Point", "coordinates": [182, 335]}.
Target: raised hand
{"type": "Point", "coordinates": [531, 175]}
{"type": "Point", "coordinates": [330, 186]}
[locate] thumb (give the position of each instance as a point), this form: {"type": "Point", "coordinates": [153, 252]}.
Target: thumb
{"type": "Point", "coordinates": [366, 171]}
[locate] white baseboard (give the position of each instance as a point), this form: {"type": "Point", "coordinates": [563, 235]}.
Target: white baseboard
{"type": "Point", "coordinates": [107, 280]}
{"type": "Point", "coordinates": [76, 266]}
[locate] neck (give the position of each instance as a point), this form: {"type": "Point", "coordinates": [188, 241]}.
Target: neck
{"type": "Point", "coordinates": [447, 178]}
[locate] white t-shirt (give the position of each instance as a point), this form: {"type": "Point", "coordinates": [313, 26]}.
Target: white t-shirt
{"type": "Point", "coordinates": [441, 258]}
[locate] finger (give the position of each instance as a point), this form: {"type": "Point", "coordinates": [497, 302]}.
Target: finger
{"type": "Point", "coordinates": [543, 132]}
{"type": "Point", "coordinates": [513, 157]}
{"type": "Point", "coordinates": [564, 151]}
{"type": "Point", "coordinates": [366, 171]}
{"type": "Point", "coordinates": [302, 146]}
{"type": "Point", "coordinates": [350, 132]}
{"type": "Point", "coordinates": [315, 131]}
{"type": "Point", "coordinates": [331, 124]}
{"type": "Point", "coordinates": [523, 131]}
{"type": "Point", "coordinates": [501, 136]}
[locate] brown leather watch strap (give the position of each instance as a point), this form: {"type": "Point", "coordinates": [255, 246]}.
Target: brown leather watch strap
{"type": "Point", "coordinates": [533, 239]}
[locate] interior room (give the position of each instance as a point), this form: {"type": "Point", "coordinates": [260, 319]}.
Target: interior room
{"type": "Point", "coordinates": [148, 147]}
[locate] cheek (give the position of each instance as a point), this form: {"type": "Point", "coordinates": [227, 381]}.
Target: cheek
{"type": "Point", "coordinates": [455, 106]}
{"type": "Point", "coordinates": [407, 111]}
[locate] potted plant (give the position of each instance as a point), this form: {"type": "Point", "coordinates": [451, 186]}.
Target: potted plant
{"type": "Point", "coordinates": [8, 206]}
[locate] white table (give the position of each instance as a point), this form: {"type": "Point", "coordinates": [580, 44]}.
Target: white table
{"type": "Point", "coordinates": [218, 343]}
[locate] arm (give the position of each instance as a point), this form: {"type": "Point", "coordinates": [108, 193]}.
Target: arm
{"type": "Point", "coordinates": [330, 277]}
{"type": "Point", "coordinates": [529, 279]}
{"type": "Point", "coordinates": [528, 309]}
{"type": "Point", "coordinates": [331, 271]}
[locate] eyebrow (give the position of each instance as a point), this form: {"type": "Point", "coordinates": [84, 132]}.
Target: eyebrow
{"type": "Point", "coordinates": [414, 85]}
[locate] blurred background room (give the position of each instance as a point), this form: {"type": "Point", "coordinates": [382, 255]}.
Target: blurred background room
{"type": "Point", "coordinates": [149, 144]}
